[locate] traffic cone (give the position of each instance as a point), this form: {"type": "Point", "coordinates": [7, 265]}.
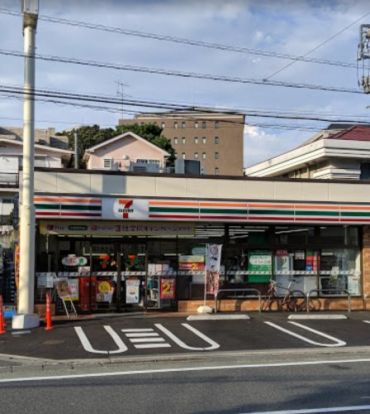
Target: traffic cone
{"type": "Point", "coordinates": [48, 320]}
{"type": "Point", "coordinates": [2, 319]}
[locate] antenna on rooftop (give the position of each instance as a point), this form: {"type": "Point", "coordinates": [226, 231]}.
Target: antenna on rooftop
{"type": "Point", "coordinates": [121, 94]}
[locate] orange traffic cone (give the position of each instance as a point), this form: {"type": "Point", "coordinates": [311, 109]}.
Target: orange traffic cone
{"type": "Point", "coordinates": [2, 319]}
{"type": "Point", "coordinates": [48, 320]}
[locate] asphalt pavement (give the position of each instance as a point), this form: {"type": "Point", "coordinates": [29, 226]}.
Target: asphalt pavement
{"type": "Point", "coordinates": [154, 335]}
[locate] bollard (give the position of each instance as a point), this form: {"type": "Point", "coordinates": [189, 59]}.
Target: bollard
{"type": "Point", "coordinates": [48, 320]}
{"type": "Point", "coordinates": [2, 319]}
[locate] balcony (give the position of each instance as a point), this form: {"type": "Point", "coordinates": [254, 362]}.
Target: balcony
{"type": "Point", "coordinates": [10, 180]}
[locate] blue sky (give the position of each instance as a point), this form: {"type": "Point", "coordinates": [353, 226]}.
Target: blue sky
{"type": "Point", "coordinates": [292, 27]}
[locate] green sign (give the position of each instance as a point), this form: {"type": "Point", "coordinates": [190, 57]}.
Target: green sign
{"type": "Point", "coordinates": [259, 266]}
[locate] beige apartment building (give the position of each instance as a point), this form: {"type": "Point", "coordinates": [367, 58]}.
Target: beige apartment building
{"type": "Point", "coordinates": [213, 138]}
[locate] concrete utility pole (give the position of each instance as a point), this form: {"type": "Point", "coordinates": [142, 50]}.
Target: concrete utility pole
{"type": "Point", "coordinates": [25, 317]}
{"type": "Point", "coordinates": [76, 150]}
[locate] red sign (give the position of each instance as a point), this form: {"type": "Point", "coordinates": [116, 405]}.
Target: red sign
{"type": "Point", "coordinates": [167, 288]}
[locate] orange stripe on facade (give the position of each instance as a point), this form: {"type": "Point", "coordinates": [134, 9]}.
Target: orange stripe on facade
{"type": "Point", "coordinates": [68, 199]}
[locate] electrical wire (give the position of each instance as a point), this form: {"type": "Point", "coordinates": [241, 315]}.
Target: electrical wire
{"type": "Point", "coordinates": [319, 45]}
{"type": "Point", "coordinates": [184, 41]}
{"type": "Point", "coordinates": [64, 97]}
{"type": "Point", "coordinates": [183, 74]}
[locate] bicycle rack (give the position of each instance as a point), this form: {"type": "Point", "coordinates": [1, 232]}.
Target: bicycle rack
{"type": "Point", "coordinates": [349, 298]}
{"type": "Point", "coordinates": [236, 290]}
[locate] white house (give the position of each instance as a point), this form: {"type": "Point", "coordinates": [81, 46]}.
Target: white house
{"type": "Point", "coordinates": [126, 152]}
{"type": "Point", "coordinates": [331, 154]}
{"type": "Point", "coordinates": [11, 150]}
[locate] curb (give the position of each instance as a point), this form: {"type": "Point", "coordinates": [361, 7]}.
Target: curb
{"type": "Point", "coordinates": [215, 317]}
{"type": "Point", "coordinates": [318, 317]}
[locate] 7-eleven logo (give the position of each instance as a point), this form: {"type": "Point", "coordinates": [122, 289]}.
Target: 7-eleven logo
{"type": "Point", "coordinates": [124, 207]}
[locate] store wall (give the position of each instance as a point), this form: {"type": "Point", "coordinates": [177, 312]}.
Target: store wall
{"type": "Point", "coordinates": [55, 182]}
{"type": "Point", "coordinates": [366, 265]}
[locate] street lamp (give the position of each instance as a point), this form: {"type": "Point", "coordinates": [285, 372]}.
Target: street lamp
{"type": "Point", "coordinates": [25, 318]}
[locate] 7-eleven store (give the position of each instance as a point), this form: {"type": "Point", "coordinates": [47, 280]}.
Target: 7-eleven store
{"type": "Point", "coordinates": [131, 241]}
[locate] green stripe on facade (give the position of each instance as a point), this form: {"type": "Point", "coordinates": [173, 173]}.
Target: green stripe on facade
{"type": "Point", "coordinates": [173, 210]}
{"type": "Point", "coordinates": [47, 206]}
{"type": "Point", "coordinates": [222, 211]}
{"type": "Point", "coordinates": [355, 214]}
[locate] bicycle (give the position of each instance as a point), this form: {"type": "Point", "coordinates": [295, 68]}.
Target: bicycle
{"type": "Point", "coordinates": [293, 301]}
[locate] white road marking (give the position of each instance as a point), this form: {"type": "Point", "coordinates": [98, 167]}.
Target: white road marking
{"type": "Point", "coordinates": [324, 335]}
{"type": "Point", "coordinates": [138, 340]}
{"type": "Point", "coordinates": [316, 410]}
{"type": "Point", "coordinates": [337, 342]}
{"type": "Point", "coordinates": [141, 335]}
{"type": "Point", "coordinates": [147, 346]}
{"type": "Point", "coordinates": [186, 369]}
{"type": "Point", "coordinates": [121, 347]}
{"type": "Point", "coordinates": [138, 330]}
{"type": "Point", "coordinates": [366, 321]}
{"type": "Point", "coordinates": [180, 343]}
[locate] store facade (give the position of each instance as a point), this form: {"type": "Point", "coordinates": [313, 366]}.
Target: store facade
{"type": "Point", "coordinates": [127, 242]}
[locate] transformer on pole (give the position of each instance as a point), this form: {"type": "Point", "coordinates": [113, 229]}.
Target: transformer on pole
{"type": "Point", "coordinates": [363, 58]}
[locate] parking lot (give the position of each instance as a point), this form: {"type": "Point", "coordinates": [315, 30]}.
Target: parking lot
{"type": "Point", "coordinates": [121, 336]}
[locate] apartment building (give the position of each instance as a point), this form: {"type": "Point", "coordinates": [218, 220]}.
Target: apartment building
{"type": "Point", "coordinates": [213, 138]}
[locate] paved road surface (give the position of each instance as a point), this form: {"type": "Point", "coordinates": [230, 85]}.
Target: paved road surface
{"type": "Point", "coordinates": [228, 390]}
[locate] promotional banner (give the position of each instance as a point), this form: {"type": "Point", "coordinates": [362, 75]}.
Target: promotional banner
{"type": "Point", "coordinates": [213, 265]}
{"type": "Point", "coordinates": [167, 288]}
{"type": "Point", "coordinates": [132, 291]}
{"type": "Point", "coordinates": [104, 291]}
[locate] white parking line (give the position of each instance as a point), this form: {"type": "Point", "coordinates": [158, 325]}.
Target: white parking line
{"type": "Point", "coordinates": [141, 340]}
{"type": "Point", "coordinates": [146, 346]}
{"type": "Point", "coordinates": [141, 335]}
{"type": "Point", "coordinates": [138, 330]}
{"type": "Point", "coordinates": [180, 343]}
{"type": "Point", "coordinates": [121, 347]}
{"type": "Point", "coordinates": [316, 410]}
{"type": "Point", "coordinates": [336, 342]}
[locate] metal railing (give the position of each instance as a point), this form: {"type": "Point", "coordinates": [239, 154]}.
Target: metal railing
{"type": "Point", "coordinates": [327, 290]}
{"type": "Point", "coordinates": [237, 290]}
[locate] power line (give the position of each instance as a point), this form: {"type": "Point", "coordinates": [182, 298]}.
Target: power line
{"type": "Point", "coordinates": [68, 98]}
{"type": "Point", "coordinates": [183, 74]}
{"type": "Point", "coordinates": [319, 45]}
{"type": "Point", "coordinates": [185, 41]}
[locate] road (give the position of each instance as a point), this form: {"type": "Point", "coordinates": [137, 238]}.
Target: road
{"type": "Point", "coordinates": [198, 389]}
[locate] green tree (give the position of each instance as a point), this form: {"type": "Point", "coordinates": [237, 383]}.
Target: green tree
{"type": "Point", "coordinates": [88, 136]}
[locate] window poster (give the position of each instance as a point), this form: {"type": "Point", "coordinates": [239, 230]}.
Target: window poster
{"type": "Point", "coordinates": [259, 266]}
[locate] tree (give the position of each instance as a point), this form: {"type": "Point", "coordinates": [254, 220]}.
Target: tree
{"type": "Point", "coordinates": [88, 136]}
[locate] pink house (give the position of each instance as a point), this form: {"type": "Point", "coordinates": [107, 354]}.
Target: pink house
{"type": "Point", "coordinates": [126, 152]}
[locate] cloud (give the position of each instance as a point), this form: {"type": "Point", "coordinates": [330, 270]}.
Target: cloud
{"type": "Point", "coordinates": [260, 145]}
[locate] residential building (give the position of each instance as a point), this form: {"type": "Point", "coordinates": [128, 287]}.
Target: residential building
{"type": "Point", "coordinates": [213, 138]}
{"type": "Point", "coordinates": [43, 136]}
{"type": "Point", "coordinates": [126, 152]}
{"type": "Point", "coordinates": [11, 155]}
{"type": "Point", "coordinates": [338, 152]}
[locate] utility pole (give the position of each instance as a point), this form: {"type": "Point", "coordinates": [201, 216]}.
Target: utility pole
{"type": "Point", "coordinates": [25, 317]}
{"type": "Point", "coordinates": [75, 135]}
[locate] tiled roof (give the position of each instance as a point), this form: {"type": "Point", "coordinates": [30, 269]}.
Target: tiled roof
{"type": "Point", "coordinates": [355, 133]}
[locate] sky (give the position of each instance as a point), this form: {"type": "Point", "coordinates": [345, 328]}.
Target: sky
{"type": "Point", "coordinates": [291, 27]}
